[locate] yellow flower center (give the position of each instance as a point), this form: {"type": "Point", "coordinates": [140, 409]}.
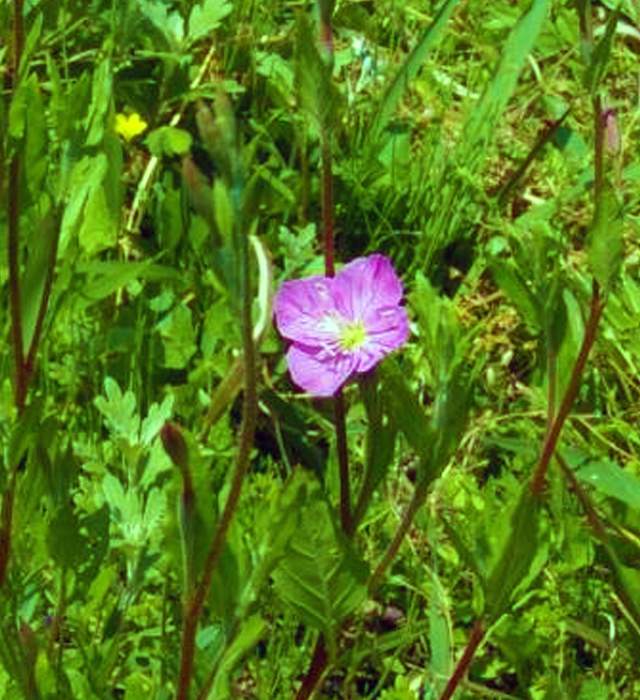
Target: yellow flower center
{"type": "Point", "coordinates": [353, 336]}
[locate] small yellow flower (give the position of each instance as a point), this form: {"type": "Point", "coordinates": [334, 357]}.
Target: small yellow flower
{"type": "Point", "coordinates": [130, 126]}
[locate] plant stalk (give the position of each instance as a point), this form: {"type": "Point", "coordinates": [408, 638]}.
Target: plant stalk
{"type": "Point", "coordinates": [597, 307]}
{"type": "Point", "coordinates": [462, 667]}
{"type": "Point", "coordinates": [417, 500]}
{"type": "Point", "coordinates": [195, 602]}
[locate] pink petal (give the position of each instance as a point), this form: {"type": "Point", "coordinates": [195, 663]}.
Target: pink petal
{"type": "Point", "coordinates": [365, 284]}
{"type": "Point", "coordinates": [318, 373]}
{"type": "Point", "coordinates": [387, 330]}
{"type": "Point", "coordinates": [301, 306]}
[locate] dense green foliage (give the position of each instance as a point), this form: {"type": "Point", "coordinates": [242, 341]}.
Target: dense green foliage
{"type": "Point", "coordinates": [161, 173]}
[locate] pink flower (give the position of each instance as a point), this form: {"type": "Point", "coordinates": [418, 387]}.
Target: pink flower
{"type": "Point", "coordinates": [341, 325]}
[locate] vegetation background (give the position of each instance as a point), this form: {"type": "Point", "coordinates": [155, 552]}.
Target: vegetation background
{"type": "Point", "coordinates": [177, 520]}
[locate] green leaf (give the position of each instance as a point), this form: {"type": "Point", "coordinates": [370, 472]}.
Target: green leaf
{"type": "Point", "coordinates": [99, 228]}
{"type": "Point", "coordinates": [104, 278]}
{"type": "Point", "coordinates": [379, 445]}
{"type": "Point", "coordinates": [521, 558]}
{"type": "Point", "coordinates": [169, 24]}
{"type": "Point", "coordinates": [120, 411]}
{"type": "Point", "coordinates": [314, 77]}
{"type": "Point", "coordinates": [178, 337]}
{"type": "Point", "coordinates": [613, 481]}
{"type": "Point", "coordinates": [519, 293]}
{"type": "Point", "coordinates": [321, 577]}
{"type": "Point", "coordinates": [488, 111]}
{"type": "Point", "coordinates": [170, 141]}
{"type": "Point", "coordinates": [604, 243]}
{"type": "Point", "coordinates": [407, 412]}
{"type": "Point", "coordinates": [600, 58]}
{"type": "Point", "coordinates": [205, 18]}
{"type": "Point", "coordinates": [101, 102]}
{"type": "Point", "coordinates": [35, 161]}
{"type": "Point", "coordinates": [409, 70]}
{"type": "Point", "coordinates": [86, 176]}
{"type": "Point", "coordinates": [222, 210]}
{"type": "Point", "coordinates": [251, 631]}
{"type": "Point", "coordinates": [40, 263]}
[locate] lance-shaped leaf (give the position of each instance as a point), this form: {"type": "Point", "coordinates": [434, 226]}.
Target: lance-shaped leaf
{"type": "Point", "coordinates": [605, 245]}
{"type": "Point", "coordinates": [522, 556]}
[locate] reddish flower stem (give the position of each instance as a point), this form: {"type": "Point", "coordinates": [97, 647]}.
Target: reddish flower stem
{"type": "Point", "coordinates": [462, 667]}
{"type": "Point", "coordinates": [21, 376]}
{"type": "Point", "coordinates": [318, 666]}
{"type": "Point", "coordinates": [540, 475]}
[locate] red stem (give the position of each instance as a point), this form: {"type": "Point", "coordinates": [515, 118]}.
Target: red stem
{"type": "Point", "coordinates": [597, 307]}
{"type": "Point", "coordinates": [462, 667]}
{"type": "Point", "coordinates": [314, 674]}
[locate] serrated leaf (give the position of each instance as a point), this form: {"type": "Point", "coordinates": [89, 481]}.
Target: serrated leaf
{"type": "Point", "coordinates": [320, 576]}
{"type": "Point", "coordinates": [120, 411]}
{"type": "Point", "coordinates": [205, 17]}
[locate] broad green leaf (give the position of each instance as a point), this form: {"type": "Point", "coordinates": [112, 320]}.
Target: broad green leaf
{"type": "Point", "coordinates": [321, 577]}
{"type": "Point", "coordinates": [612, 480]}
{"type": "Point", "coordinates": [31, 42]}
{"type": "Point", "coordinates": [409, 71]}
{"type": "Point", "coordinates": [223, 210]}
{"type": "Point", "coordinates": [205, 18]}
{"type": "Point", "coordinates": [138, 685]}
{"type": "Point", "coordinates": [86, 176]}
{"type": "Point", "coordinates": [99, 228]}
{"type": "Point", "coordinates": [379, 444]}
{"type": "Point", "coordinates": [522, 556]}
{"type": "Point", "coordinates": [440, 630]}
{"type": "Point", "coordinates": [24, 432]}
